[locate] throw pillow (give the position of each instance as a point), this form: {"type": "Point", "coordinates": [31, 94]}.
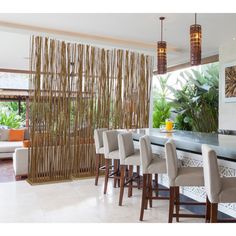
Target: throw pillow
{"type": "Point", "coordinates": [16, 135]}
{"type": "Point", "coordinates": [4, 134]}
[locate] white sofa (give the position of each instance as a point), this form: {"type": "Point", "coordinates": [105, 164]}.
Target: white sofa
{"type": "Point", "coordinates": [15, 150]}
{"type": "Point", "coordinates": [20, 161]}
{"type": "Point", "coordinates": [7, 148]}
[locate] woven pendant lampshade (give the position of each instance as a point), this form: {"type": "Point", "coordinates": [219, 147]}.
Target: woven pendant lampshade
{"type": "Point", "coordinates": [195, 43]}
{"type": "Point", "coordinates": [161, 52]}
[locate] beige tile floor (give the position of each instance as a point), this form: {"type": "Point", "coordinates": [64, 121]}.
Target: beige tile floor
{"type": "Point", "coordinates": [77, 201]}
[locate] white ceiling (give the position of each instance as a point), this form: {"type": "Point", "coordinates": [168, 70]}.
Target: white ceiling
{"type": "Point", "coordinates": [134, 27]}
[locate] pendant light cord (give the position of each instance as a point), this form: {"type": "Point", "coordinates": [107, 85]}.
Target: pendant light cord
{"type": "Point", "coordinates": [161, 30]}
{"type": "Point", "coordinates": [161, 19]}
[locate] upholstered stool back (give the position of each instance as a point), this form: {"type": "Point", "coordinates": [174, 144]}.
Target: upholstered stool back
{"type": "Point", "coordinates": [171, 161]}
{"type": "Point", "coordinates": [145, 152]}
{"type": "Point", "coordinates": [98, 139]}
{"type": "Point", "coordinates": [110, 141]}
{"type": "Point", "coordinates": [212, 178]}
{"type": "Point", "coordinates": [126, 146]}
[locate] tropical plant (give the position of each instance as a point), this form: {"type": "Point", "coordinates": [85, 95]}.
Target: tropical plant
{"type": "Point", "coordinates": [14, 106]}
{"type": "Point", "coordinates": [161, 107]}
{"type": "Point", "coordinates": [10, 119]}
{"type": "Point", "coordinates": [196, 103]}
{"type": "Point", "coordinates": [163, 91]}
{"type": "Point", "coordinates": [161, 111]}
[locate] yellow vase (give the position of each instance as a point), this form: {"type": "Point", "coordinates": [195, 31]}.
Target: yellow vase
{"type": "Point", "coordinates": [169, 125]}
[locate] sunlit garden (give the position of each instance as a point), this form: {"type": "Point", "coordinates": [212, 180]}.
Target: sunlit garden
{"type": "Point", "coordinates": [189, 97]}
{"type": "Point", "coordinates": [10, 116]}
{"type": "Point", "coordinates": [12, 106]}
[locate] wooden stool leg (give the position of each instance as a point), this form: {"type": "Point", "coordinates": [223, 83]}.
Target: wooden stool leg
{"type": "Point", "coordinates": [122, 183]}
{"type": "Point", "coordinates": [115, 170]}
{"type": "Point", "coordinates": [107, 164]}
{"type": "Point", "coordinates": [138, 173]}
{"type": "Point", "coordinates": [150, 189]}
{"type": "Point", "coordinates": [144, 197]}
{"type": "Point", "coordinates": [97, 168]}
{"type": "Point", "coordinates": [130, 176]}
{"type": "Point", "coordinates": [177, 203]}
{"type": "Point", "coordinates": [146, 202]}
{"type": "Point", "coordinates": [156, 184]}
{"type": "Point", "coordinates": [118, 174]}
{"type": "Point", "coordinates": [214, 208]}
{"type": "Point", "coordinates": [171, 204]}
{"type": "Point", "coordinates": [208, 210]}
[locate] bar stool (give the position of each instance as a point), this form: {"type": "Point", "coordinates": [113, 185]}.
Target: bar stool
{"type": "Point", "coordinates": [218, 189]}
{"type": "Point", "coordinates": [111, 152]}
{"type": "Point", "coordinates": [181, 177]}
{"type": "Point", "coordinates": [128, 157]}
{"type": "Point", "coordinates": [151, 164]}
{"type": "Point", "coordinates": [99, 148]}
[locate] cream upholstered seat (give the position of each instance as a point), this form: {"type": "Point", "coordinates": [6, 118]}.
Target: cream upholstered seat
{"type": "Point", "coordinates": [189, 176]}
{"type": "Point", "coordinates": [180, 177]}
{"type": "Point", "coordinates": [157, 166]}
{"type": "Point", "coordinates": [151, 164]}
{"type": "Point", "coordinates": [113, 155]}
{"type": "Point", "coordinates": [129, 156]}
{"type": "Point", "coordinates": [111, 152]}
{"type": "Point", "coordinates": [218, 189]}
{"type": "Point", "coordinates": [228, 190]}
{"type": "Point", "coordinates": [99, 148]}
{"type": "Point", "coordinates": [132, 159]}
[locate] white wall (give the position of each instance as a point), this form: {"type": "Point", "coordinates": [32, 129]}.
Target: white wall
{"type": "Point", "coordinates": [227, 111]}
{"type": "Point", "coordinates": [14, 50]}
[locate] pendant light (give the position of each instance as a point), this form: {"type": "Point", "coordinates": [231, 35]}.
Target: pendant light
{"type": "Point", "coordinates": [161, 53]}
{"type": "Point", "coordinates": [195, 43]}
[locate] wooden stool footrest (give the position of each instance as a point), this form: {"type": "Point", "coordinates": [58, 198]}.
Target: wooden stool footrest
{"type": "Point", "coordinates": [189, 215]}
{"type": "Point", "coordinates": [102, 168]}
{"type": "Point", "coordinates": [114, 175]}
{"type": "Point", "coordinates": [132, 179]}
{"type": "Point", "coordinates": [191, 203]}
{"type": "Point", "coordinates": [160, 189]}
{"type": "Point", "coordinates": [160, 198]}
{"type": "Point", "coordinates": [226, 220]}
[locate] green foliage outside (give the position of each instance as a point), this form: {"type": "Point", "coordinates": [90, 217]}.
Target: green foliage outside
{"type": "Point", "coordinates": [161, 107]}
{"type": "Point", "coordinates": [161, 112]}
{"type": "Point", "coordinates": [194, 106]}
{"type": "Point", "coordinates": [9, 114]}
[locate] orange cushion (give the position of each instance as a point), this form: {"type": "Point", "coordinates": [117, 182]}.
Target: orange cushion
{"type": "Point", "coordinates": [26, 143]}
{"type": "Point", "coordinates": [16, 135]}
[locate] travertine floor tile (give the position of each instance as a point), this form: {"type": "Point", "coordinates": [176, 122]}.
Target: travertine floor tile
{"type": "Point", "coordinates": [78, 201]}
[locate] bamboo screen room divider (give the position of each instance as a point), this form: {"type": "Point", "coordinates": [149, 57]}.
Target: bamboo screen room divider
{"type": "Point", "coordinates": [75, 89]}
